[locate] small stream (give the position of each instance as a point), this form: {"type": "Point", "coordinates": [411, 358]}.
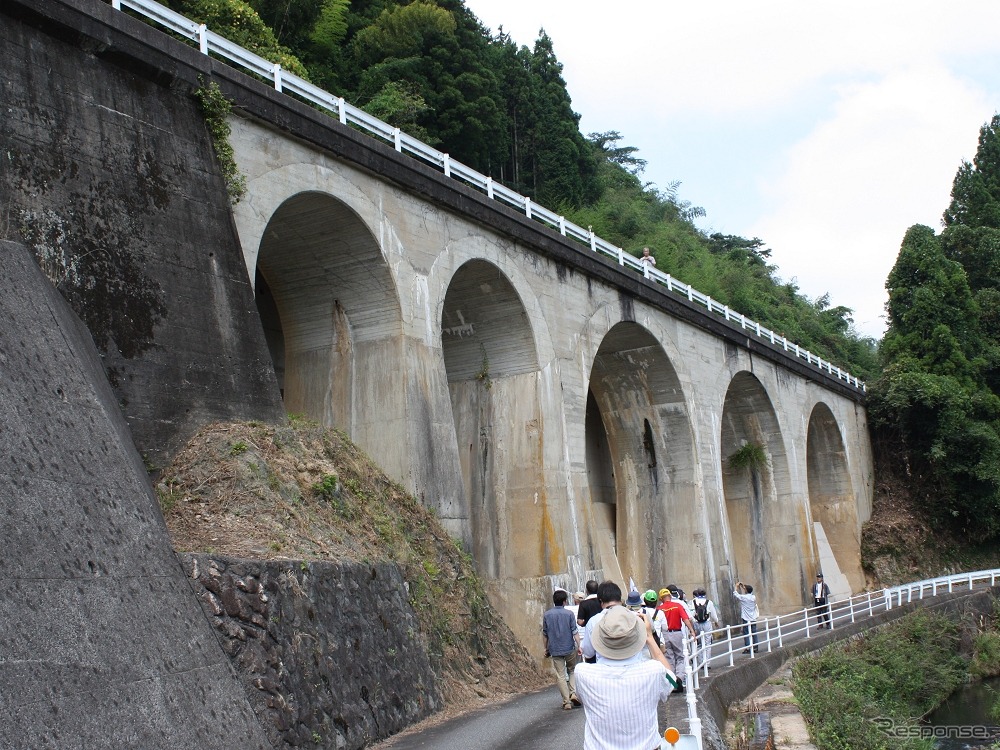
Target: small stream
{"type": "Point", "coordinates": [963, 721]}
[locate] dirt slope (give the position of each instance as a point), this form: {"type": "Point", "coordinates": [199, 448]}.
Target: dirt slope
{"type": "Point", "coordinates": [302, 492]}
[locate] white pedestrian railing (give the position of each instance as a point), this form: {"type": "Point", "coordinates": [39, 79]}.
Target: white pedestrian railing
{"type": "Point", "coordinates": [211, 43]}
{"type": "Point", "coordinates": [722, 645]}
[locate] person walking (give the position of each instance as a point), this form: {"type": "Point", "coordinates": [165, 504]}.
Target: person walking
{"type": "Point", "coordinates": [562, 644]}
{"type": "Point", "coordinates": [675, 617]}
{"type": "Point", "coordinates": [621, 692]}
{"type": "Point", "coordinates": [609, 594]}
{"type": "Point", "coordinates": [652, 611]}
{"type": "Point", "coordinates": [589, 607]}
{"type": "Point", "coordinates": [706, 619]}
{"type": "Point", "coordinates": [748, 614]}
{"type": "Point", "coordinates": [821, 598]}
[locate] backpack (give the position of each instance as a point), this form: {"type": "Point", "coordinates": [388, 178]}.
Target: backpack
{"type": "Point", "coordinates": [701, 610]}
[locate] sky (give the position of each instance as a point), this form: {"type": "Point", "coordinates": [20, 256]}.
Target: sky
{"type": "Point", "coordinates": [826, 130]}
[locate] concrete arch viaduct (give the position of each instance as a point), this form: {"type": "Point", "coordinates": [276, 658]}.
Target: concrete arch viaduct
{"type": "Point", "coordinates": [564, 416]}
{"type": "Point", "coordinates": [559, 417]}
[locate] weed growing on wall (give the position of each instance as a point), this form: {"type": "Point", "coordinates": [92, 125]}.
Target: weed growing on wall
{"type": "Point", "coordinates": [749, 456]}
{"type": "Point", "coordinates": [216, 108]}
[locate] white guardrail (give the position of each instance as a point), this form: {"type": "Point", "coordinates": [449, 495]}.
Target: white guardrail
{"type": "Point", "coordinates": [773, 632]}
{"type": "Point", "coordinates": [211, 43]}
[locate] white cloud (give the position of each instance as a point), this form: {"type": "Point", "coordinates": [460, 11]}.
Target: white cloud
{"type": "Point", "coordinates": [850, 189]}
{"type": "Point", "coordinates": [824, 129]}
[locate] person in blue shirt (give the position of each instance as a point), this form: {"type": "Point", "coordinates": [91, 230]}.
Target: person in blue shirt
{"type": "Point", "coordinates": [562, 645]}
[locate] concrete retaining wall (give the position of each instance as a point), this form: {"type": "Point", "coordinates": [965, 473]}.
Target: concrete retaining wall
{"type": "Point", "coordinates": [109, 177]}
{"type": "Point", "coordinates": [102, 644]}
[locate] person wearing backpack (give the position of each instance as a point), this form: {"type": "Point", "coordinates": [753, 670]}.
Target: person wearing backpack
{"type": "Point", "coordinates": [706, 618]}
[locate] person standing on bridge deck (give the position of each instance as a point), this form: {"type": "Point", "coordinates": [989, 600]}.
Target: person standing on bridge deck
{"type": "Point", "coordinates": [646, 259]}
{"type": "Point", "coordinates": [621, 692]}
{"type": "Point", "coordinates": [748, 614]}
{"type": "Point", "coordinates": [821, 598]}
{"type": "Point", "coordinates": [562, 644]}
{"type": "Point", "coordinates": [676, 618]}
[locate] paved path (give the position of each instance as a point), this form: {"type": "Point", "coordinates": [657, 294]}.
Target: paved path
{"type": "Point", "coordinates": [529, 722]}
{"type": "Point", "coordinates": [538, 721]}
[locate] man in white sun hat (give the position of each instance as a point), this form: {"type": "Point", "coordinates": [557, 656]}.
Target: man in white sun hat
{"type": "Point", "coordinates": [621, 692]}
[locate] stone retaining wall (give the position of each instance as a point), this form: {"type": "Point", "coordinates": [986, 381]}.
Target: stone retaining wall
{"type": "Point", "coordinates": [329, 653]}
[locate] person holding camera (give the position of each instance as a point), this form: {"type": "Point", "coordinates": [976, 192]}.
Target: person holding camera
{"type": "Point", "coordinates": [748, 614]}
{"type": "Point", "coordinates": [621, 692]}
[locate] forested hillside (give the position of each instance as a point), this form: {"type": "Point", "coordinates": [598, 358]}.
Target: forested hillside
{"type": "Point", "coordinates": [937, 402]}
{"type": "Point", "coordinates": [432, 69]}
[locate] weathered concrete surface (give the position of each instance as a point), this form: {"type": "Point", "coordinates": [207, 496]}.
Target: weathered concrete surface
{"type": "Point", "coordinates": [109, 178]}
{"type": "Point", "coordinates": [102, 644]}
{"type": "Point", "coordinates": [581, 428]}
{"type": "Point", "coordinates": [327, 652]}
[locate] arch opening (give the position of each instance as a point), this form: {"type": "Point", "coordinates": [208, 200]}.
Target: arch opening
{"type": "Point", "coordinates": [831, 500]}
{"type": "Point", "coordinates": [640, 462]}
{"type": "Point", "coordinates": [492, 364]}
{"type": "Point", "coordinates": [768, 531]}
{"type": "Point", "coordinates": [331, 318]}
{"type": "Point", "coordinates": [267, 308]}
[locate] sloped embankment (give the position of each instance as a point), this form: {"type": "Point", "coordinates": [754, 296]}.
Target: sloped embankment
{"type": "Point", "coordinates": [342, 601]}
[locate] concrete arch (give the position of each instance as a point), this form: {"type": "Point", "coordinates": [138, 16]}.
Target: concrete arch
{"type": "Point", "coordinates": [481, 249]}
{"type": "Point", "coordinates": [485, 329]}
{"type": "Point", "coordinates": [832, 503]}
{"type": "Point", "coordinates": [331, 316]}
{"type": "Point", "coordinates": [641, 461]}
{"type": "Point", "coordinates": [491, 362]}
{"type": "Point", "coordinates": [769, 533]}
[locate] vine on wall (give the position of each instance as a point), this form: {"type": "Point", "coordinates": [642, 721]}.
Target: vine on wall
{"type": "Point", "coordinates": [216, 108]}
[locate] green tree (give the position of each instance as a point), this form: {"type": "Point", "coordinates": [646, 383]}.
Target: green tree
{"type": "Point", "coordinates": [933, 392]}
{"type": "Point", "coordinates": [975, 193]}
{"type": "Point", "coordinates": [239, 22]}
{"type": "Point", "coordinates": [561, 161]}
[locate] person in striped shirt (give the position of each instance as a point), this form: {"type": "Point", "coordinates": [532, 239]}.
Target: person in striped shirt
{"type": "Point", "coordinates": [621, 692]}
